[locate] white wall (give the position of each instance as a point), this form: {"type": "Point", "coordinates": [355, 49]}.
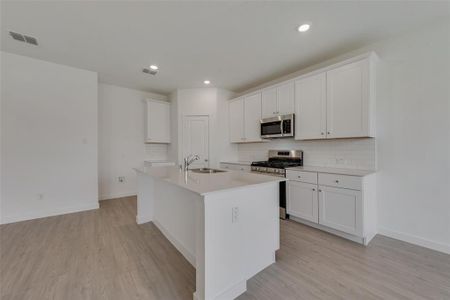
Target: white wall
{"type": "Point", "coordinates": [211, 102]}
{"type": "Point", "coordinates": [121, 139]}
{"type": "Point", "coordinates": [413, 125]}
{"type": "Point", "coordinates": [49, 139]}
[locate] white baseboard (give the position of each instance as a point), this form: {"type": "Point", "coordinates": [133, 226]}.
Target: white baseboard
{"type": "Point", "coordinates": [183, 250]}
{"type": "Point", "coordinates": [234, 291]}
{"type": "Point", "coordinates": [115, 196]}
{"type": "Point", "coordinates": [141, 219]}
{"type": "Point", "coordinates": [49, 213]}
{"type": "Point", "coordinates": [412, 239]}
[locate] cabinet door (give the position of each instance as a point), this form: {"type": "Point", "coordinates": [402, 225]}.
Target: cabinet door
{"type": "Point", "coordinates": [302, 200]}
{"type": "Point", "coordinates": [285, 97]}
{"type": "Point", "coordinates": [348, 101]}
{"type": "Point", "coordinates": [341, 209]}
{"type": "Point", "coordinates": [252, 118]}
{"type": "Point", "coordinates": [310, 107]}
{"type": "Point", "coordinates": [269, 103]}
{"type": "Point", "coordinates": [236, 118]}
{"type": "Point", "coordinates": [158, 122]}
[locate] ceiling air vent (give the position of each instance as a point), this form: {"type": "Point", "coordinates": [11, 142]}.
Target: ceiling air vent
{"type": "Point", "coordinates": [23, 38]}
{"type": "Point", "coordinates": [149, 71]}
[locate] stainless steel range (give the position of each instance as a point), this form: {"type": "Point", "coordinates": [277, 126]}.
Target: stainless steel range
{"type": "Point", "coordinates": [278, 161]}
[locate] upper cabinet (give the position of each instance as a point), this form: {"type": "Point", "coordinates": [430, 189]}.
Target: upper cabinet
{"type": "Point", "coordinates": [158, 122]}
{"type": "Point", "coordinates": [245, 116]}
{"type": "Point", "coordinates": [348, 101]}
{"type": "Point", "coordinates": [310, 107]}
{"type": "Point", "coordinates": [278, 100]}
{"type": "Point", "coordinates": [336, 103]}
{"type": "Point", "coordinates": [236, 118]}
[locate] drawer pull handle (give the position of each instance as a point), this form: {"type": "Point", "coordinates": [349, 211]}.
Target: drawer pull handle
{"type": "Point", "coordinates": [320, 191]}
{"type": "Point", "coordinates": [314, 190]}
{"type": "Point", "coordinates": [337, 181]}
{"type": "Point", "coordinates": [299, 176]}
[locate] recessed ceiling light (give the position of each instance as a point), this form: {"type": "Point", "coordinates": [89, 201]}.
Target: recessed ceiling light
{"type": "Point", "coordinates": [154, 67]}
{"type": "Point", "coordinates": [304, 27]}
{"type": "Point", "coordinates": [206, 82]}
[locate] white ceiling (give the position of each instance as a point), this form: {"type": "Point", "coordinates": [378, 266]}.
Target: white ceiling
{"type": "Point", "coordinates": [236, 45]}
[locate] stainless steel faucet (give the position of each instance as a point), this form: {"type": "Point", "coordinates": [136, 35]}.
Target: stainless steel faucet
{"type": "Point", "coordinates": [189, 160]}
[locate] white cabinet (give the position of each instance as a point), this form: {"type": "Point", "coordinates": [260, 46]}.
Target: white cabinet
{"type": "Point", "coordinates": [286, 98]}
{"type": "Point", "coordinates": [252, 118]}
{"type": "Point", "coordinates": [158, 121]}
{"type": "Point", "coordinates": [337, 102]}
{"type": "Point", "coordinates": [269, 103]}
{"type": "Point", "coordinates": [302, 200]}
{"type": "Point", "coordinates": [244, 119]}
{"type": "Point", "coordinates": [310, 107]}
{"type": "Point", "coordinates": [278, 100]}
{"type": "Point", "coordinates": [348, 101]}
{"type": "Point", "coordinates": [341, 209]}
{"type": "Point", "coordinates": [236, 117]}
{"type": "Point", "coordinates": [344, 205]}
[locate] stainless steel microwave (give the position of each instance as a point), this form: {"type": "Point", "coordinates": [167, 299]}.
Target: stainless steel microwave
{"type": "Point", "coordinates": [277, 127]}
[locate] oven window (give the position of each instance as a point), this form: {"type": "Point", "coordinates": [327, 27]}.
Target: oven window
{"type": "Point", "coordinates": [270, 128]}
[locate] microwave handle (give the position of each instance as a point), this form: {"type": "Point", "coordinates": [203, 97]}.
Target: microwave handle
{"type": "Point", "coordinates": [281, 127]}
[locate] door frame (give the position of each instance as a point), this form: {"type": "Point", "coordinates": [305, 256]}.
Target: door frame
{"type": "Point", "coordinates": [183, 118]}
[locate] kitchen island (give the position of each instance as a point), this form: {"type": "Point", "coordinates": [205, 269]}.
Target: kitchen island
{"type": "Point", "coordinates": [225, 224]}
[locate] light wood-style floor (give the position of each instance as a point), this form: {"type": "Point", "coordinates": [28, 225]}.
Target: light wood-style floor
{"type": "Point", "coordinates": [103, 254]}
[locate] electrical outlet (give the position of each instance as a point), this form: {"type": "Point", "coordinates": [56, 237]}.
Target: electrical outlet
{"type": "Point", "coordinates": [234, 214]}
{"type": "Point", "coordinates": [121, 179]}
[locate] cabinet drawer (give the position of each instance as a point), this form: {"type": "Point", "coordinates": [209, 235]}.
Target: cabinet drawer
{"type": "Point", "coordinates": [235, 167]}
{"type": "Point", "coordinates": [342, 181]}
{"type": "Point", "coordinates": [309, 177]}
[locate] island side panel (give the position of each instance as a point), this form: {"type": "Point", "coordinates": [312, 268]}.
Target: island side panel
{"type": "Point", "coordinates": [239, 237]}
{"type": "Point", "coordinates": [175, 215]}
{"type": "Point", "coordinates": [145, 198]}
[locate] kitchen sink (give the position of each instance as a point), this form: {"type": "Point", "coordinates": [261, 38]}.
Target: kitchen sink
{"type": "Point", "coordinates": [207, 170]}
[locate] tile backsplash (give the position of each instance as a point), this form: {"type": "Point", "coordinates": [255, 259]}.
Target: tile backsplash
{"type": "Point", "coordinates": [345, 153]}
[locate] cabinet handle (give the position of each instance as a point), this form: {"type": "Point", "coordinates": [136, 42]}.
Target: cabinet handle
{"type": "Point", "coordinates": [320, 191]}
{"type": "Point", "coordinates": [337, 181]}
{"type": "Point", "coordinates": [328, 132]}
{"type": "Point", "coordinates": [299, 176]}
{"type": "Point", "coordinates": [322, 133]}
{"type": "Point", "coordinates": [314, 190]}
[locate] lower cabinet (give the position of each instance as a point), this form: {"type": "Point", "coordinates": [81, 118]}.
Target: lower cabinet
{"type": "Point", "coordinates": [302, 200]}
{"type": "Point", "coordinates": [340, 204]}
{"type": "Point", "coordinates": [341, 209]}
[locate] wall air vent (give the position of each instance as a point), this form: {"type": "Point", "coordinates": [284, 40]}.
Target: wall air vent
{"type": "Point", "coordinates": [23, 38]}
{"type": "Point", "coordinates": [149, 71]}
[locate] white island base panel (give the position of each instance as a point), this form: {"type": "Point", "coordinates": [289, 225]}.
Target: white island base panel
{"type": "Point", "coordinates": [228, 235]}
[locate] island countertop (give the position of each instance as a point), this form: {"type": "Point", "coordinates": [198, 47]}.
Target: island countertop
{"type": "Point", "coordinates": [203, 184]}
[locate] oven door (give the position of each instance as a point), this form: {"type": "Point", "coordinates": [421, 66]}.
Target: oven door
{"type": "Point", "coordinates": [271, 128]}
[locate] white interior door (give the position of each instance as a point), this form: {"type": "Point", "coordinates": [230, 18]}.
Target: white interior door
{"type": "Point", "coordinates": [196, 139]}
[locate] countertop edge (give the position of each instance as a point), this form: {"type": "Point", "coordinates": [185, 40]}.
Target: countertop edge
{"type": "Point", "coordinates": [330, 170]}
